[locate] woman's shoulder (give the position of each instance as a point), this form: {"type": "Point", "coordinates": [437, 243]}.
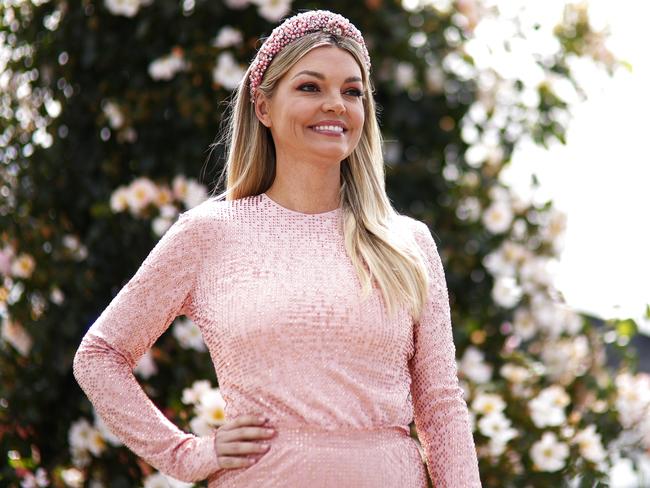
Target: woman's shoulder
{"type": "Point", "coordinates": [215, 212]}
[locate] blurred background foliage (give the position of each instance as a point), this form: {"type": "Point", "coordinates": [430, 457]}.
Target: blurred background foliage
{"type": "Point", "coordinates": [108, 114]}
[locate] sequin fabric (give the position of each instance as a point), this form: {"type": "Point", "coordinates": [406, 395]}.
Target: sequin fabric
{"type": "Point", "coordinates": [278, 304]}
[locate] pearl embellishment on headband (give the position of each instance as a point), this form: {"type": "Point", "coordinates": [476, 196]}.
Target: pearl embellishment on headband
{"type": "Point", "coordinates": [295, 27]}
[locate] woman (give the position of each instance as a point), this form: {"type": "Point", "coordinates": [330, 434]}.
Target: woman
{"type": "Point", "coordinates": [324, 310]}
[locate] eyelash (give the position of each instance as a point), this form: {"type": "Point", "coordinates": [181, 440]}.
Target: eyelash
{"type": "Point", "coordinates": [358, 94]}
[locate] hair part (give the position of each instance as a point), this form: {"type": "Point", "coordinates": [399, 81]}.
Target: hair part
{"type": "Point", "coordinates": [374, 246]}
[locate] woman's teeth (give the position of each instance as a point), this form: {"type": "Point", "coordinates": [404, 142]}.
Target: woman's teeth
{"type": "Point", "coordinates": [328, 128]}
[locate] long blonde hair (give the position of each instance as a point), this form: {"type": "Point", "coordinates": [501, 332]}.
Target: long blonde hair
{"type": "Point", "coordinates": [374, 247]}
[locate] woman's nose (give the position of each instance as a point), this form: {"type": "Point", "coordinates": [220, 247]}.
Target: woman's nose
{"type": "Point", "coordinates": [335, 104]}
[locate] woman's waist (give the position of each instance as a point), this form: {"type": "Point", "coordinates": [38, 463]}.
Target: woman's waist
{"type": "Point", "coordinates": [336, 437]}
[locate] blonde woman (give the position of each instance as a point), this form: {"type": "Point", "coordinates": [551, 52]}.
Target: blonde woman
{"type": "Point", "coordinates": [325, 312]}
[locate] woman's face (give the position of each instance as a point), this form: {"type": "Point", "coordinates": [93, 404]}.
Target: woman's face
{"type": "Point", "coordinates": [323, 89]}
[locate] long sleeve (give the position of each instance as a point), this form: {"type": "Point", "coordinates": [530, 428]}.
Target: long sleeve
{"type": "Point", "coordinates": [160, 290]}
{"type": "Point", "coordinates": [440, 411]}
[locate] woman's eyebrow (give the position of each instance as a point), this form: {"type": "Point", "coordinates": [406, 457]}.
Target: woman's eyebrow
{"type": "Point", "coordinates": [320, 76]}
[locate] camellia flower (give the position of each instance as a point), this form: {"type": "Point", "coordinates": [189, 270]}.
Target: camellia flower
{"type": "Point", "coordinates": [591, 447]}
{"type": "Point", "coordinates": [547, 408]}
{"type": "Point", "coordinates": [188, 335]}
{"type": "Point", "coordinates": [549, 454]}
{"type": "Point", "coordinates": [23, 266]}
{"type": "Point", "coordinates": [84, 437]}
{"type": "Point", "coordinates": [193, 395]}
{"type": "Point", "coordinates": [142, 192]}
{"type": "Point", "coordinates": [227, 36]}
{"type": "Point", "coordinates": [227, 73]}
{"type": "Point", "coordinates": [488, 403]}
{"type": "Point", "coordinates": [515, 374]}
{"type": "Point", "coordinates": [506, 292]}
{"type": "Point", "coordinates": [498, 217]}
{"type": "Point", "coordinates": [474, 367]}
{"type": "Point", "coordinates": [272, 10]}
{"type": "Point", "coordinates": [211, 407]}
{"type": "Point", "coordinates": [166, 67]}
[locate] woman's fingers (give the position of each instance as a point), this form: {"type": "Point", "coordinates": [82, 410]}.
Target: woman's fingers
{"type": "Point", "coordinates": [234, 454]}
{"type": "Point", "coordinates": [229, 448]}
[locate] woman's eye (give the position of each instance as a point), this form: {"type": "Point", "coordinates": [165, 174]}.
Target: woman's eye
{"type": "Point", "coordinates": [310, 87]}
{"type": "Point", "coordinates": [307, 85]}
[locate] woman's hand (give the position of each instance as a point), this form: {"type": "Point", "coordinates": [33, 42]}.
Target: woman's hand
{"type": "Point", "coordinates": [231, 453]}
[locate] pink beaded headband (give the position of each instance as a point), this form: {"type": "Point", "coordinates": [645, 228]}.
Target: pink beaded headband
{"type": "Point", "coordinates": [294, 28]}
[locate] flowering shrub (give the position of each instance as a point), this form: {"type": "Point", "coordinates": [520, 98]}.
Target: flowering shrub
{"type": "Point", "coordinates": [94, 171]}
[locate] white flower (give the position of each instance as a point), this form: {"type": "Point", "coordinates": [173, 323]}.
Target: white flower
{"type": "Point", "coordinates": [633, 398]}
{"type": "Point", "coordinates": [211, 407]}
{"type": "Point", "coordinates": [227, 36]}
{"type": "Point", "coordinates": [38, 478]}
{"type": "Point", "coordinates": [497, 217]}
{"type": "Point", "coordinates": [114, 114]}
{"type": "Point", "coordinates": [155, 480]}
{"type": "Point", "coordinates": [524, 324]}
{"type": "Point", "coordinates": [473, 366]}
{"type": "Point", "coordinates": [196, 193]}
{"type": "Point", "coordinates": [505, 260]}
{"type": "Point", "coordinates": [160, 480]}
{"type": "Point", "coordinates": [193, 394]}
{"type": "Point", "coordinates": [57, 296]}
{"type": "Point", "coordinates": [164, 197]}
{"type": "Point", "coordinates": [499, 194]}
{"type": "Point", "coordinates": [469, 209]}
{"type": "Point", "coordinates": [547, 408]}
{"type": "Point", "coordinates": [515, 374]}
{"type": "Point", "coordinates": [13, 333]}
{"type": "Point", "coordinates": [168, 212]}
{"type": "Point", "coordinates": [591, 447]}
{"type": "Point", "coordinates": [227, 73]}
{"type": "Point", "coordinates": [506, 292]}
{"type": "Point", "coordinates": [567, 358]}
{"type": "Point", "coordinates": [535, 272]}
{"type": "Point", "coordinates": [128, 8]}
{"type": "Point", "coordinates": [142, 191]}
{"type": "Point", "coordinates": [146, 366]}
{"type": "Point", "coordinates": [188, 335]}
{"type": "Point", "coordinates": [84, 437]}
{"type": "Point", "coordinates": [487, 403]}
{"type": "Point", "coordinates": [200, 426]}
{"type": "Point", "coordinates": [166, 67]}
{"type": "Point", "coordinates": [120, 199]}
{"type": "Point", "coordinates": [555, 227]}
{"type": "Point", "coordinates": [23, 266]}
{"type": "Point", "coordinates": [272, 10]}
{"type": "Point", "coordinates": [160, 225]}
{"type": "Point", "coordinates": [179, 187]}
{"type": "Point", "coordinates": [498, 426]}
{"type": "Point", "coordinates": [549, 454]}
{"type": "Point", "coordinates": [73, 477]}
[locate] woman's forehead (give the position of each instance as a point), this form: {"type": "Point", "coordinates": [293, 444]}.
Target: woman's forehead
{"type": "Point", "coordinates": [329, 62]}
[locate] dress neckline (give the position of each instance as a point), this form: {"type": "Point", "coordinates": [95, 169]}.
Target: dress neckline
{"type": "Point", "coordinates": [275, 204]}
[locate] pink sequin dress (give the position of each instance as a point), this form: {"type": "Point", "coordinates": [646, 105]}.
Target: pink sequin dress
{"type": "Point", "coordinates": [278, 304]}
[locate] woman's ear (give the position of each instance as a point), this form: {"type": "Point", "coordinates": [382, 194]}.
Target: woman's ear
{"type": "Point", "coordinates": [262, 109]}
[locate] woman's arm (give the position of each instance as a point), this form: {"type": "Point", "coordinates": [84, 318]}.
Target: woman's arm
{"type": "Point", "coordinates": [440, 411]}
{"type": "Point", "coordinates": [160, 290]}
